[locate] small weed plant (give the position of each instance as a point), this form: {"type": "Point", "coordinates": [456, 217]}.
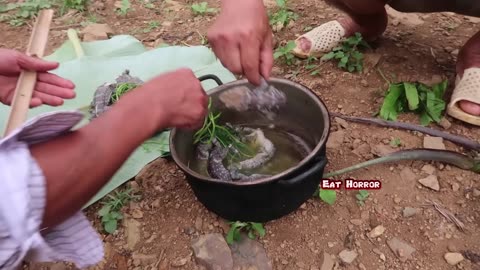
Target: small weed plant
{"type": "Point", "coordinates": [110, 212]}
{"type": "Point", "coordinates": [125, 7]}
{"type": "Point", "coordinates": [79, 5]}
{"type": "Point", "coordinates": [283, 16]}
{"type": "Point", "coordinates": [285, 53]}
{"type": "Point", "coordinates": [252, 229]}
{"type": "Point", "coordinates": [202, 9]}
{"type": "Point", "coordinates": [24, 11]}
{"type": "Point", "coordinates": [348, 54]}
{"type": "Point", "coordinates": [395, 142]}
{"type": "Point", "coordinates": [311, 66]}
{"type": "Point", "coordinates": [151, 26]}
{"type": "Point", "coordinates": [362, 196]}
{"type": "Point", "coordinates": [17, 14]}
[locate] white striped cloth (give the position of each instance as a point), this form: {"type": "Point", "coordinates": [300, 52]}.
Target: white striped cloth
{"type": "Point", "coordinates": [23, 200]}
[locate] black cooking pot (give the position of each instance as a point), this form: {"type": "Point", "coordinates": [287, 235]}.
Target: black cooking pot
{"type": "Point", "coordinates": [304, 115]}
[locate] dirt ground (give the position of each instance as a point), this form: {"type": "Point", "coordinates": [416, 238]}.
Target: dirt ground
{"type": "Point", "coordinates": [419, 47]}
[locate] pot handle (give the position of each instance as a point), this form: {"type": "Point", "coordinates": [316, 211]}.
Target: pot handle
{"type": "Point", "coordinates": [317, 166]}
{"type": "Point", "coordinates": [210, 77]}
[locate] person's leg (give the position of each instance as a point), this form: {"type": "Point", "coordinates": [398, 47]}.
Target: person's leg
{"type": "Point", "coordinates": [367, 17]}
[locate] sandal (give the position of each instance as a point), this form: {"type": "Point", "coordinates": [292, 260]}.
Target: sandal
{"type": "Point", "coordinates": [466, 88]}
{"type": "Point", "coordinates": [323, 39]}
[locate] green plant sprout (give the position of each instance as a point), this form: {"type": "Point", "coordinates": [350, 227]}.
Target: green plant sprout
{"type": "Point", "coordinates": [395, 142]}
{"type": "Point", "coordinates": [311, 66]}
{"type": "Point", "coordinates": [415, 97]}
{"type": "Point", "coordinates": [124, 8]}
{"type": "Point", "coordinates": [224, 135]}
{"type": "Point", "coordinates": [110, 212]}
{"type": "Point", "coordinates": [121, 90]}
{"type": "Point", "coordinates": [79, 5]}
{"type": "Point", "coordinates": [362, 196]}
{"type": "Point", "coordinates": [151, 26]}
{"type": "Point", "coordinates": [348, 56]}
{"type": "Point", "coordinates": [285, 53]}
{"type": "Point", "coordinates": [253, 230]}
{"type": "Point", "coordinates": [202, 9]}
{"type": "Point", "coordinates": [283, 16]}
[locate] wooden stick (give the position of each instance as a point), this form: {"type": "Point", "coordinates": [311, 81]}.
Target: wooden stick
{"type": "Point", "coordinates": [26, 81]}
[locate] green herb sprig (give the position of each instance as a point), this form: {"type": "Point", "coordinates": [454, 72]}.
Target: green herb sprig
{"type": "Point", "coordinates": [121, 90]}
{"type": "Point", "coordinates": [224, 135]}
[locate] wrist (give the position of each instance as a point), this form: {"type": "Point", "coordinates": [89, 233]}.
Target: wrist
{"type": "Point", "coordinates": [138, 107]}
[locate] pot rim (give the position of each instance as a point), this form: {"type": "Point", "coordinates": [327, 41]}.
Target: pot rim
{"type": "Point", "coordinates": [274, 178]}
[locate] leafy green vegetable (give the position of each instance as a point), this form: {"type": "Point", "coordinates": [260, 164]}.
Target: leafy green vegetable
{"type": "Point", "coordinates": [253, 229]}
{"type": "Point", "coordinates": [412, 96]}
{"type": "Point", "coordinates": [415, 97]}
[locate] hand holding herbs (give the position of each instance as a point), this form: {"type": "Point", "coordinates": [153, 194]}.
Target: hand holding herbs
{"type": "Point", "coordinates": [175, 99]}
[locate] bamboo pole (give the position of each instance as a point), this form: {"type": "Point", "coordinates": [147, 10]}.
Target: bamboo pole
{"type": "Point", "coordinates": [26, 81]}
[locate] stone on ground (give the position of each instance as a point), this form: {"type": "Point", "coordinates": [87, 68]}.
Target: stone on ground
{"type": "Point", "coordinates": [249, 254]}
{"type": "Point", "coordinates": [433, 143]}
{"type": "Point", "coordinates": [453, 258]}
{"type": "Point", "coordinates": [212, 252]}
{"type": "Point", "coordinates": [401, 249]}
{"type": "Point", "coordinates": [431, 182]}
{"type": "Point", "coordinates": [327, 262]}
{"type": "Point", "coordinates": [347, 256]}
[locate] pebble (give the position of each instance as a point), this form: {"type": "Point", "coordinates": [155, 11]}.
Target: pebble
{"type": "Point", "coordinates": [452, 248]}
{"type": "Point", "coordinates": [376, 232]}
{"type": "Point", "coordinates": [453, 258]}
{"type": "Point", "coordinates": [347, 256]}
{"type": "Point", "coordinates": [429, 169]}
{"type": "Point", "coordinates": [336, 139]}
{"type": "Point", "coordinates": [401, 249]}
{"type": "Point", "coordinates": [433, 143]}
{"type": "Point", "coordinates": [455, 187]}
{"type": "Point", "coordinates": [327, 262]}
{"type": "Point", "coordinates": [476, 192]}
{"type": "Point", "coordinates": [409, 212]}
{"type": "Point", "coordinates": [356, 222]}
{"type": "Point", "coordinates": [431, 182]}
{"type": "Point", "coordinates": [179, 262]}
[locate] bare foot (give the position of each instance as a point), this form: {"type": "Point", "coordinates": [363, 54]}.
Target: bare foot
{"type": "Point", "coordinates": [371, 27]}
{"type": "Point", "coordinates": [469, 57]}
